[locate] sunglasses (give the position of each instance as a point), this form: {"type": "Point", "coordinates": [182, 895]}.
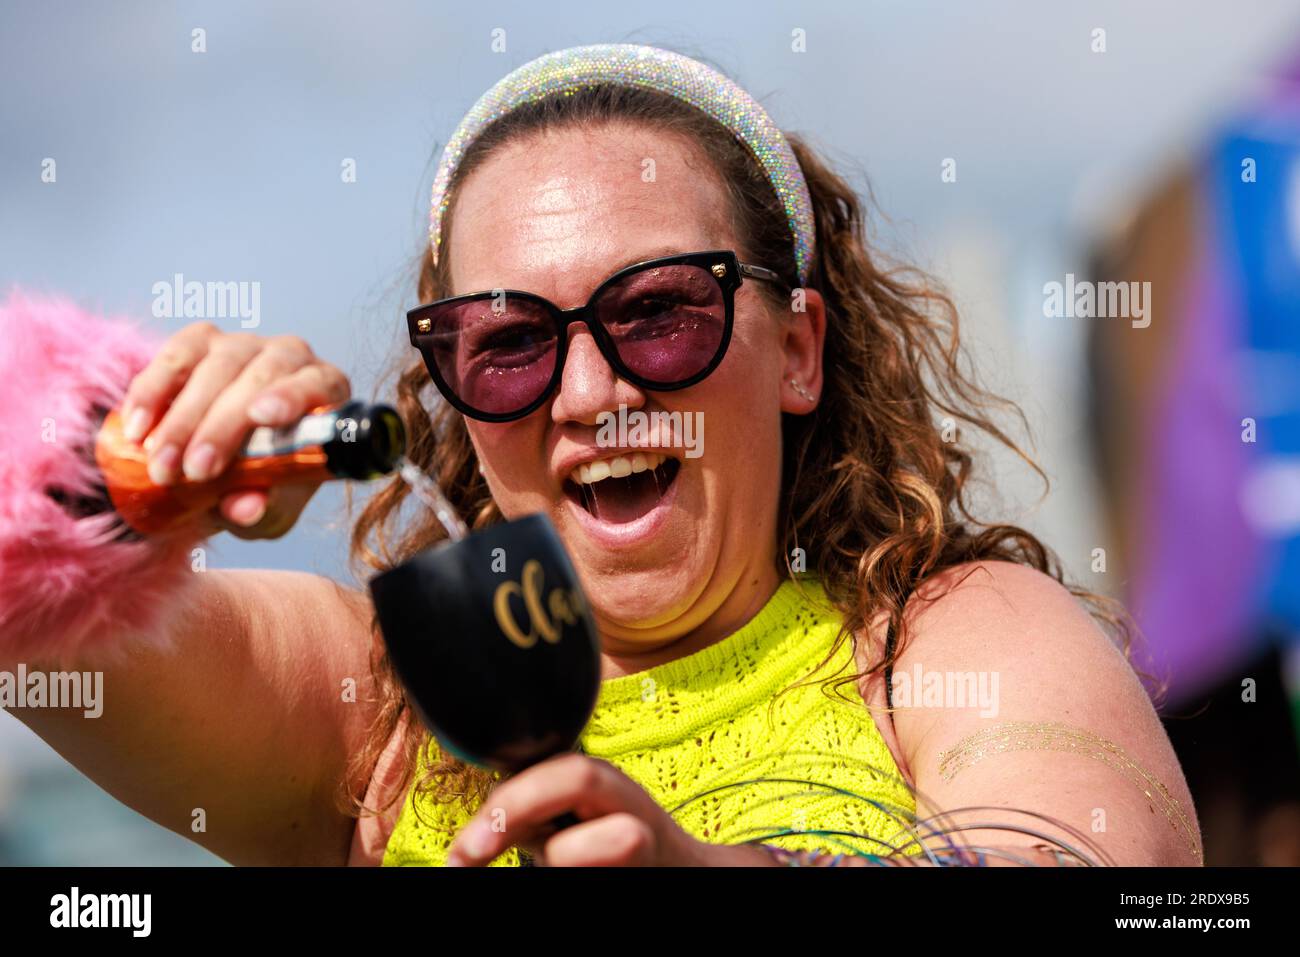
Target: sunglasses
{"type": "Point", "coordinates": [663, 324]}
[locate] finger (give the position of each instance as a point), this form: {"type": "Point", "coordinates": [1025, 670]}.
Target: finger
{"type": "Point", "coordinates": [225, 359]}
{"type": "Point", "coordinates": [154, 386]}
{"type": "Point", "coordinates": [291, 397]}
{"type": "Point", "coordinates": [526, 804]}
{"type": "Point", "coordinates": [284, 505]}
{"type": "Point", "coordinates": [244, 508]}
{"type": "Point", "coordinates": [615, 840]}
{"type": "Point", "coordinates": [225, 424]}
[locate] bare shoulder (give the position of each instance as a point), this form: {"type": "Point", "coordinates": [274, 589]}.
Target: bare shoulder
{"type": "Point", "coordinates": [992, 588]}
{"type": "Point", "coordinates": [995, 648]}
{"type": "Point", "coordinates": [1028, 635]}
{"type": "Point", "coordinates": [986, 618]}
{"type": "Point", "coordinates": [999, 611]}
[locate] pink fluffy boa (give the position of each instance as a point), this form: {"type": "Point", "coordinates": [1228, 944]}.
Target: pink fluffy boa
{"type": "Point", "coordinates": [70, 589]}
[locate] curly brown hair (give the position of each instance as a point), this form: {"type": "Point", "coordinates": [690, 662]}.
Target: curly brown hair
{"type": "Point", "coordinates": [873, 476]}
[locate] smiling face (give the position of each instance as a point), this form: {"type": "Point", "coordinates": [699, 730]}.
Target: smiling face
{"type": "Point", "coordinates": [687, 548]}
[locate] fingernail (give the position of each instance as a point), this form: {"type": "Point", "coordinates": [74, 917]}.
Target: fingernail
{"type": "Point", "coordinates": [201, 463]}
{"type": "Point", "coordinates": [268, 409]}
{"type": "Point", "coordinates": [248, 511]}
{"type": "Point", "coordinates": [476, 840]}
{"type": "Point", "coordinates": [136, 424]}
{"type": "Point", "coordinates": [162, 466]}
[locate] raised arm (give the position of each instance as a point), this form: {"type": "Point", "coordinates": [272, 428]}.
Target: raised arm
{"type": "Point", "coordinates": [239, 734]}
{"type": "Point", "coordinates": [244, 726]}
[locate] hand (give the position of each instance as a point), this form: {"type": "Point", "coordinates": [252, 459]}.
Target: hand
{"type": "Point", "coordinates": [200, 396]}
{"type": "Point", "coordinates": [622, 825]}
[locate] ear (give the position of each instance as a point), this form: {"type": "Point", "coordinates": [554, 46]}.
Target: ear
{"type": "Point", "coordinates": [803, 335]}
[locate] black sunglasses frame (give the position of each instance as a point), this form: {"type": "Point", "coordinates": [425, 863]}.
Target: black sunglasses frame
{"type": "Point", "coordinates": [722, 264]}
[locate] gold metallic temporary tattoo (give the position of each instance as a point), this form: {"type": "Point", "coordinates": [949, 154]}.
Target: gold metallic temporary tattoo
{"type": "Point", "coordinates": [1051, 736]}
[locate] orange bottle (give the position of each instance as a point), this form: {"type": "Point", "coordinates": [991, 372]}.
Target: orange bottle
{"type": "Point", "coordinates": [354, 440]}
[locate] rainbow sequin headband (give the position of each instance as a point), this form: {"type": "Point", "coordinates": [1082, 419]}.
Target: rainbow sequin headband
{"type": "Point", "coordinates": [652, 68]}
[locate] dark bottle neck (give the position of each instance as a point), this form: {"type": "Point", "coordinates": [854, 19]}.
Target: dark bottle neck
{"type": "Point", "coordinates": [368, 441]}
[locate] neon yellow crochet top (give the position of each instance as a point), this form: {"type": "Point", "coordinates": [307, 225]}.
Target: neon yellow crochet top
{"type": "Point", "coordinates": [695, 733]}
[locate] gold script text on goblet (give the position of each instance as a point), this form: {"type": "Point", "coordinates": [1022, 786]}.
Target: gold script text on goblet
{"type": "Point", "coordinates": [561, 603]}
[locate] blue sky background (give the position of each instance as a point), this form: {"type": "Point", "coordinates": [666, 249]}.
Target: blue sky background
{"type": "Point", "coordinates": [225, 165]}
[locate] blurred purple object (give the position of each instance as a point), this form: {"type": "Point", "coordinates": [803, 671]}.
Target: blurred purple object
{"type": "Point", "coordinates": [1195, 582]}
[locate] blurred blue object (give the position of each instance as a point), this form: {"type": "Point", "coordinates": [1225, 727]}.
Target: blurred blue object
{"type": "Point", "coordinates": [1259, 242]}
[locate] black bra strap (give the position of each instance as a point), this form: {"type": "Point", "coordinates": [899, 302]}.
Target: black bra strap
{"type": "Point", "coordinates": [889, 668]}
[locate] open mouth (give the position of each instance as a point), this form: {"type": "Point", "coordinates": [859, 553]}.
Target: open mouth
{"type": "Point", "coordinates": [624, 488]}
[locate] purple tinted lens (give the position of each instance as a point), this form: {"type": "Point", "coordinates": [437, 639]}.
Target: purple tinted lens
{"type": "Point", "coordinates": [667, 322]}
{"type": "Point", "coordinates": [496, 355]}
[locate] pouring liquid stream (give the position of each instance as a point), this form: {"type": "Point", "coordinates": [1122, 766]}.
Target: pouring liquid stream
{"type": "Point", "coordinates": [427, 491]}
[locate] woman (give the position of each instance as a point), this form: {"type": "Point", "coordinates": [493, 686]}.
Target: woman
{"type": "Point", "coordinates": [821, 538]}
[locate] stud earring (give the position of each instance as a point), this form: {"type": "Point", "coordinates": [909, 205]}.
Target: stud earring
{"type": "Point", "coordinates": [803, 393]}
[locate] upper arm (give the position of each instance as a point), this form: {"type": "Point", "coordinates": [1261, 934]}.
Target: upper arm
{"type": "Point", "coordinates": [1039, 659]}
{"type": "Point", "coordinates": [243, 724]}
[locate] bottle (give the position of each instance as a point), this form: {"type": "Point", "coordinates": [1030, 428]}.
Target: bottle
{"type": "Point", "coordinates": [353, 440]}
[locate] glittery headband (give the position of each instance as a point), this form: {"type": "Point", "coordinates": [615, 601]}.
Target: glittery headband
{"type": "Point", "coordinates": [652, 68]}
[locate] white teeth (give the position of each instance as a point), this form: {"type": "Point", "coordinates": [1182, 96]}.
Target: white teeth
{"type": "Point", "coordinates": [619, 466]}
